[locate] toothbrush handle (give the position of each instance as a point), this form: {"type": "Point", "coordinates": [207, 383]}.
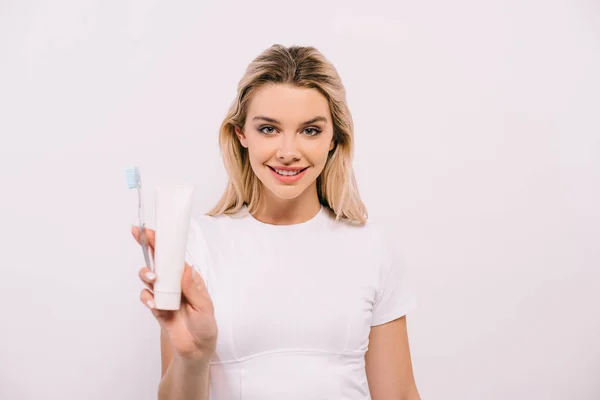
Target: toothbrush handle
{"type": "Point", "coordinates": [146, 249]}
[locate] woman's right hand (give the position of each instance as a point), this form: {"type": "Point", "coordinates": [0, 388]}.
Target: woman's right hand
{"type": "Point", "coordinates": [192, 330]}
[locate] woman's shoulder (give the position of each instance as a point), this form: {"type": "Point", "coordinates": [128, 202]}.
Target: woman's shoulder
{"type": "Point", "coordinates": [207, 235]}
{"type": "Point", "coordinates": [374, 233]}
{"type": "Point", "coordinates": [216, 226]}
{"type": "Point", "coordinates": [370, 227]}
{"type": "Point", "coordinates": [212, 224]}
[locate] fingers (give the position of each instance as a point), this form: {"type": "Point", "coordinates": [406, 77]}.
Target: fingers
{"type": "Point", "coordinates": [150, 235]}
{"type": "Point", "coordinates": [135, 231]}
{"type": "Point", "coordinates": [194, 290]}
{"type": "Point", "coordinates": [147, 298]}
{"type": "Point", "coordinates": [164, 317]}
{"type": "Point", "coordinates": [147, 277]}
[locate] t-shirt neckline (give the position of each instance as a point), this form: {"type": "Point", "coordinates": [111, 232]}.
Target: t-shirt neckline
{"type": "Point", "coordinates": [318, 216]}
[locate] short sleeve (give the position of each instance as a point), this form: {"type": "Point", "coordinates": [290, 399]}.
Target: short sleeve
{"type": "Point", "coordinates": [395, 297]}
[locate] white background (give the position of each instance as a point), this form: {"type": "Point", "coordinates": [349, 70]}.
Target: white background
{"type": "Point", "coordinates": [478, 141]}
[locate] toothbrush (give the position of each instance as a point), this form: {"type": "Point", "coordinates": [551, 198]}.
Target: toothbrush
{"type": "Point", "coordinates": [134, 181]}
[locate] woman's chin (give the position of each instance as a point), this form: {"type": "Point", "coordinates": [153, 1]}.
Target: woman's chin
{"type": "Point", "coordinates": [289, 193]}
{"type": "Point", "coordinates": [286, 192]}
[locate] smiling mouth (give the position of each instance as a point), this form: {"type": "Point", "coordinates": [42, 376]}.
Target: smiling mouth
{"type": "Point", "coordinates": [283, 172]}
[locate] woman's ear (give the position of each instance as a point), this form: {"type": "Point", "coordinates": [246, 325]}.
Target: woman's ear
{"type": "Point", "coordinates": [241, 136]}
{"type": "Point", "coordinates": [332, 144]}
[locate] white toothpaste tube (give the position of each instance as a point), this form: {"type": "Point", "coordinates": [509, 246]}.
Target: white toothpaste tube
{"type": "Point", "coordinates": [173, 213]}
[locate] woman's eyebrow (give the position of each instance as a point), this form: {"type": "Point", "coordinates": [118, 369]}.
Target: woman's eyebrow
{"type": "Point", "coordinates": [318, 118]}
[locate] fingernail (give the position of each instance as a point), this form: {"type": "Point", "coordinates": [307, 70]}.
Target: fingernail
{"type": "Point", "coordinates": [150, 303]}
{"type": "Point", "coordinates": [150, 276]}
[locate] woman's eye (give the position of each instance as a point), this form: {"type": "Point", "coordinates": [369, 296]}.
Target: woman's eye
{"type": "Point", "coordinates": [269, 130]}
{"type": "Point", "coordinates": [262, 129]}
{"type": "Point", "coordinates": [312, 131]}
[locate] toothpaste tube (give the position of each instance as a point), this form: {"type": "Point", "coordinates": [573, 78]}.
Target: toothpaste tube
{"type": "Point", "coordinates": [173, 214]}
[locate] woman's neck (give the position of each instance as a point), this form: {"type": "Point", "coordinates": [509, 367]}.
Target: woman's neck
{"type": "Point", "coordinates": [276, 211]}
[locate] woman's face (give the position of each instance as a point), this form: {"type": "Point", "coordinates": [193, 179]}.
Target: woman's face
{"type": "Point", "coordinates": [288, 134]}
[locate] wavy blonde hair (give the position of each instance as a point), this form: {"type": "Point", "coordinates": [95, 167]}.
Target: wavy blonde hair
{"type": "Point", "coordinates": [303, 67]}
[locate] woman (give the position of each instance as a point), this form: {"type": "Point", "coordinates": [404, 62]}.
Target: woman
{"type": "Point", "coordinates": [297, 296]}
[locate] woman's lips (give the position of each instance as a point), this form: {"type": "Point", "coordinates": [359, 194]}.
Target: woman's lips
{"type": "Point", "coordinates": [288, 175]}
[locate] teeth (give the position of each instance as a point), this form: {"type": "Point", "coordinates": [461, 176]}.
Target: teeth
{"type": "Point", "coordinates": [287, 173]}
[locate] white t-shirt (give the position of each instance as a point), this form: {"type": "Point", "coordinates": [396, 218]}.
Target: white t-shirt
{"type": "Point", "coordinates": [294, 304]}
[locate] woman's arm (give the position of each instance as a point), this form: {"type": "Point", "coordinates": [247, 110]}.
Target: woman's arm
{"type": "Point", "coordinates": [181, 381]}
{"type": "Point", "coordinates": [388, 363]}
{"type": "Point", "coordinates": [166, 353]}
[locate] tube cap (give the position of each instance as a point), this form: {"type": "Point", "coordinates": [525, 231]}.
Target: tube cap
{"type": "Point", "coordinates": [167, 300]}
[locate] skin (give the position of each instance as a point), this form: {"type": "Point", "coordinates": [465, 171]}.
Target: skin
{"type": "Point", "coordinates": [388, 363]}
{"type": "Point", "coordinates": [280, 131]}
{"type": "Point", "coordinates": [188, 335]}
{"type": "Point", "coordinates": [289, 142]}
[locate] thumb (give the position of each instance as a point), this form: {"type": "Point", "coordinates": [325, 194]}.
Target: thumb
{"type": "Point", "coordinates": [193, 287]}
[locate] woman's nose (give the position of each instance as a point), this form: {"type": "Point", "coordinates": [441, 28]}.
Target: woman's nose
{"type": "Point", "coordinates": [288, 150]}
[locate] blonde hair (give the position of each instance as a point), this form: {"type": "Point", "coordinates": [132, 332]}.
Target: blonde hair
{"type": "Point", "coordinates": [303, 67]}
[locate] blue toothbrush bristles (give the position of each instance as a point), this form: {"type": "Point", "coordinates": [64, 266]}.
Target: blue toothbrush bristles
{"type": "Point", "coordinates": [133, 177]}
